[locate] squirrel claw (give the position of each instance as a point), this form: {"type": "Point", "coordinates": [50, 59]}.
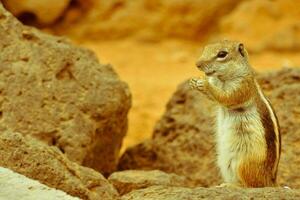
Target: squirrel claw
{"type": "Point", "coordinates": [228, 185]}
{"type": "Point", "coordinates": [195, 83]}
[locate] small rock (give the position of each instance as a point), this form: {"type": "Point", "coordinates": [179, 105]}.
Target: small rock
{"type": "Point", "coordinates": [15, 186]}
{"type": "Point", "coordinates": [128, 180]}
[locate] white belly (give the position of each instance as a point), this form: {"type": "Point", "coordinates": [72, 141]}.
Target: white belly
{"type": "Point", "coordinates": [238, 135]}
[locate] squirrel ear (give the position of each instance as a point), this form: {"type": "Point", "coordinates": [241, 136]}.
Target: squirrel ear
{"type": "Point", "coordinates": [241, 49]}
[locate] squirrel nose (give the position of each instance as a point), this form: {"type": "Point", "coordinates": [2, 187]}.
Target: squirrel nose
{"type": "Point", "coordinates": [199, 64]}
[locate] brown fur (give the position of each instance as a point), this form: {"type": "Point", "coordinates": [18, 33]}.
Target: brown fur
{"type": "Point", "coordinates": [262, 172]}
{"type": "Point", "coordinates": [234, 97]}
{"type": "Point", "coordinates": [270, 136]}
{"type": "Point", "coordinates": [253, 173]}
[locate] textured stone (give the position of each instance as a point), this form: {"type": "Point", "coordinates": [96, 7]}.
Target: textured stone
{"type": "Point", "coordinates": [48, 165]}
{"type": "Point", "coordinates": [126, 181]}
{"type": "Point", "coordinates": [277, 28]}
{"type": "Point", "coordinates": [148, 20]}
{"type": "Point", "coordinates": [60, 94]}
{"type": "Point", "coordinates": [180, 193]}
{"type": "Point", "coordinates": [15, 186]}
{"type": "Point", "coordinates": [183, 141]}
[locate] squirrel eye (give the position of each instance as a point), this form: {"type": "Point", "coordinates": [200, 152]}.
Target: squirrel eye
{"type": "Point", "coordinates": [222, 54]}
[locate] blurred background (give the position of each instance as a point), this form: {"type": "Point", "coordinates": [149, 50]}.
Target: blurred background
{"type": "Point", "coordinates": [153, 44]}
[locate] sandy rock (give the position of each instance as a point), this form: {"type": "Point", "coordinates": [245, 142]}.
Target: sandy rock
{"type": "Point", "coordinates": [278, 26]}
{"type": "Point", "coordinates": [148, 20]}
{"type": "Point", "coordinates": [48, 165]}
{"type": "Point", "coordinates": [183, 141]}
{"type": "Point", "coordinates": [60, 94]}
{"type": "Point", "coordinates": [16, 186]}
{"type": "Point", "coordinates": [126, 181]}
{"type": "Point", "coordinates": [45, 11]}
{"type": "Point", "coordinates": [181, 193]}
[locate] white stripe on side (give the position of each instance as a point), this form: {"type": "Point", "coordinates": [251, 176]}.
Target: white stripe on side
{"type": "Point", "coordinates": [273, 118]}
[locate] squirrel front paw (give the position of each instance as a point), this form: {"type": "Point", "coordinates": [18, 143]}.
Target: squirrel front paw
{"type": "Point", "coordinates": [197, 84]}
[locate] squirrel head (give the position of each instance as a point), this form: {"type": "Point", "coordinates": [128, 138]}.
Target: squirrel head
{"type": "Point", "coordinates": [224, 60]}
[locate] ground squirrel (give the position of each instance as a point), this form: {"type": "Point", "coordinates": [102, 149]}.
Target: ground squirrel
{"type": "Point", "coordinates": [248, 136]}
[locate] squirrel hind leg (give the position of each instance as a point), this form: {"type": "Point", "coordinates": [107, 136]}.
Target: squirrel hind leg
{"type": "Point", "coordinates": [254, 174]}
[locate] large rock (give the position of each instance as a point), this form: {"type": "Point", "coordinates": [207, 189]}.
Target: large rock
{"type": "Point", "coordinates": [15, 186]}
{"type": "Point", "coordinates": [48, 165]}
{"type": "Point", "coordinates": [181, 193]}
{"type": "Point", "coordinates": [60, 94]}
{"type": "Point", "coordinates": [278, 26]}
{"type": "Point", "coordinates": [183, 141]}
{"type": "Point", "coordinates": [128, 180]}
{"type": "Point", "coordinates": [149, 20]}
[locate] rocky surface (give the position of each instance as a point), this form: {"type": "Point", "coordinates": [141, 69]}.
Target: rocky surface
{"type": "Point", "coordinates": [278, 28]}
{"type": "Point", "coordinates": [48, 165]}
{"type": "Point", "coordinates": [126, 181]}
{"type": "Point", "coordinates": [181, 193]}
{"type": "Point", "coordinates": [61, 95]}
{"type": "Point", "coordinates": [183, 141]}
{"type": "Point", "coordinates": [148, 20]}
{"type": "Point", "coordinates": [15, 186]}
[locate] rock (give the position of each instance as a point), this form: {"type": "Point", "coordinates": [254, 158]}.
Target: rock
{"type": "Point", "coordinates": [148, 20]}
{"type": "Point", "coordinates": [43, 11]}
{"type": "Point", "coordinates": [16, 186]}
{"type": "Point", "coordinates": [277, 29]}
{"type": "Point", "coordinates": [181, 193]}
{"type": "Point", "coordinates": [48, 165]}
{"type": "Point", "coordinates": [126, 181]}
{"type": "Point", "coordinates": [183, 141]}
{"type": "Point", "coordinates": [61, 95]}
